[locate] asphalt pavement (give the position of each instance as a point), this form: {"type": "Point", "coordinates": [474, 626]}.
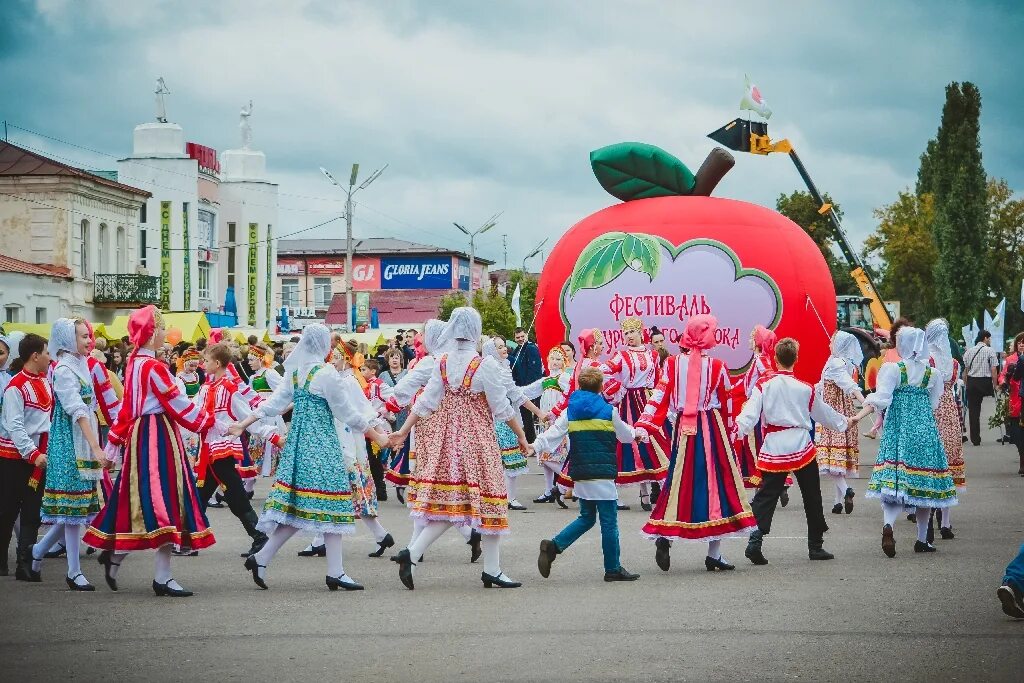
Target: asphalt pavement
{"type": "Point", "coordinates": [859, 617]}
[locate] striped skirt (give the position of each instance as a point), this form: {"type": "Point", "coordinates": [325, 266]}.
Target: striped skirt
{"type": "Point", "coordinates": [703, 497]}
{"type": "Point", "coordinates": [640, 462]}
{"type": "Point", "coordinates": [154, 499]}
{"type": "Point", "coordinates": [512, 458]}
{"type": "Point", "coordinates": [247, 467]}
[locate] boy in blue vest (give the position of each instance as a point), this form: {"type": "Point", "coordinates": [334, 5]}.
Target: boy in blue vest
{"type": "Point", "coordinates": [593, 427]}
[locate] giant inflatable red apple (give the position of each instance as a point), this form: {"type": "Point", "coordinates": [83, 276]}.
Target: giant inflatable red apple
{"type": "Point", "coordinates": [664, 255]}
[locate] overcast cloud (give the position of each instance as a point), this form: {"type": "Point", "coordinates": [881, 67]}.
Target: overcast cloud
{"type": "Point", "coordinates": [481, 107]}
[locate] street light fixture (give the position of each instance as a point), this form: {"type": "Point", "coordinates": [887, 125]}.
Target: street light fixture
{"type": "Point", "coordinates": [533, 253]}
{"type": "Point", "coordinates": [488, 224]}
{"type": "Point", "coordinates": [352, 189]}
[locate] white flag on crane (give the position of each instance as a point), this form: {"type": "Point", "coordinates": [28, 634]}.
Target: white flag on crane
{"type": "Point", "coordinates": [753, 100]}
{"type": "Point", "coordinates": [515, 306]}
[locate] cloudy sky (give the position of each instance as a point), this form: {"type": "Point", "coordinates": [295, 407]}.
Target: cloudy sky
{"type": "Point", "coordinates": [481, 107]}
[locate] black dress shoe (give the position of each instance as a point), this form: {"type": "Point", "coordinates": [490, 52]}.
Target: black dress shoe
{"type": "Point", "coordinates": [620, 574]}
{"type": "Point", "coordinates": [106, 559]}
{"type": "Point", "coordinates": [848, 500]}
{"type": "Point", "coordinates": [163, 589]}
{"type": "Point", "coordinates": [314, 551]}
{"type": "Point", "coordinates": [548, 553]}
{"type": "Point", "coordinates": [86, 587]}
{"type": "Point", "coordinates": [923, 547]}
{"type": "Point", "coordinates": [382, 496]}
{"type": "Point", "coordinates": [336, 583]}
{"type": "Point", "coordinates": [405, 565]}
{"type": "Point", "coordinates": [662, 555]}
{"type": "Point", "coordinates": [645, 503]}
{"type": "Point", "coordinates": [183, 552]}
{"type": "Point", "coordinates": [784, 497]}
{"type": "Point", "coordinates": [546, 498]}
{"type": "Point", "coordinates": [501, 581]}
{"type": "Point", "coordinates": [61, 551]}
{"type": "Point", "coordinates": [711, 564]}
{"type": "Point", "coordinates": [837, 509]}
{"type": "Point", "coordinates": [558, 499]}
{"type": "Point", "coordinates": [474, 546]}
{"type": "Point", "coordinates": [620, 506]}
{"type": "Point", "coordinates": [216, 504]}
{"type": "Point", "coordinates": [946, 533]}
{"type": "Point", "coordinates": [912, 517]}
{"type": "Point", "coordinates": [888, 541]}
{"type": "Point", "coordinates": [400, 494]}
{"type": "Point", "coordinates": [382, 545]}
{"type": "Point", "coordinates": [753, 550]}
{"type": "Point", "coordinates": [253, 566]}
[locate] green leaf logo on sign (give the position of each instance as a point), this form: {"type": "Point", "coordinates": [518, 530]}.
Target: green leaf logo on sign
{"type": "Point", "coordinates": [608, 256]}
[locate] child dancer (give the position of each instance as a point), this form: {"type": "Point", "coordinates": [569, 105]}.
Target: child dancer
{"type": "Point", "coordinates": [762, 365]}
{"type": "Point", "coordinates": [947, 415]}
{"type": "Point", "coordinates": [263, 381]}
{"type": "Point", "coordinates": [75, 460]}
{"type": "Point", "coordinates": [911, 468]}
{"type": "Point", "coordinates": [596, 429]}
{"type": "Point", "coordinates": [311, 489]}
{"type": "Point", "coordinates": [839, 451]}
{"type": "Point", "coordinates": [634, 372]}
{"type": "Point", "coordinates": [154, 503]}
{"type": "Point", "coordinates": [27, 402]}
{"type": "Point", "coordinates": [378, 393]}
{"type": "Point", "coordinates": [551, 391]}
{"type": "Point", "coordinates": [459, 477]}
{"type": "Point", "coordinates": [219, 453]}
{"type": "Point", "coordinates": [190, 379]}
{"type": "Point", "coordinates": [784, 406]}
{"type": "Point", "coordinates": [703, 499]}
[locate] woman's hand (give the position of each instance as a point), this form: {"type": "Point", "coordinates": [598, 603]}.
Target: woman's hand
{"type": "Point", "coordinates": [236, 429]}
{"type": "Point", "coordinates": [525, 447]}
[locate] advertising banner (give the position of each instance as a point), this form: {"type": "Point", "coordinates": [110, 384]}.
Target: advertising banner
{"type": "Point", "coordinates": [250, 292]}
{"type": "Point", "coordinates": [291, 267]}
{"type": "Point", "coordinates": [461, 281]}
{"type": "Point", "coordinates": [188, 258]}
{"type": "Point", "coordinates": [362, 308]}
{"type": "Point", "coordinates": [270, 266]}
{"type": "Point", "coordinates": [416, 273]}
{"type": "Point", "coordinates": [365, 270]}
{"type": "Point", "coordinates": [165, 255]}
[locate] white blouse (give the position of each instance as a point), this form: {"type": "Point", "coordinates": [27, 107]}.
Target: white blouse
{"type": "Point", "coordinates": [415, 379]}
{"type": "Point", "coordinates": [840, 371]}
{"type": "Point", "coordinates": [889, 379]}
{"type": "Point", "coordinates": [327, 385]}
{"type": "Point", "coordinates": [67, 386]}
{"type": "Point", "coordinates": [487, 380]}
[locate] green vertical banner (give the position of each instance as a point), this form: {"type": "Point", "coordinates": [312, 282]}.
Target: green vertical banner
{"type": "Point", "coordinates": [362, 308]}
{"type": "Point", "coordinates": [254, 248]}
{"type": "Point", "coordinates": [165, 255]}
{"type": "Point", "coordinates": [270, 276]}
{"type": "Point", "coordinates": [188, 258]}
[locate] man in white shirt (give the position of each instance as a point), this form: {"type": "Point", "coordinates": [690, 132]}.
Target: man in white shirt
{"type": "Point", "coordinates": [981, 370]}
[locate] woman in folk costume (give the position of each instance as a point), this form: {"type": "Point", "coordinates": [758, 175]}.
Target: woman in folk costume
{"type": "Point", "coordinates": [762, 365]}
{"type": "Point", "coordinates": [263, 381]}
{"type": "Point", "coordinates": [154, 503]}
{"type": "Point", "coordinates": [703, 498]}
{"type": "Point", "coordinates": [311, 489]}
{"type": "Point", "coordinates": [512, 457]}
{"type": "Point", "coordinates": [839, 452]}
{"type": "Point", "coordinates": [634, 372]}
{"type": "Point", "coordinates": [459, 476]}
{"type": "Point", "coordinates": [551, 391]}
{"type": "Point", "coordinates": [391, 376]}
{"type": "Point", "coordinates": [947, 415]}
{"type": "Point", "coordinates": [911, 468]}
{"type": "Point", "coordinates": [190, 380]}
{"type": "Point", "coordinates": [75, 460]}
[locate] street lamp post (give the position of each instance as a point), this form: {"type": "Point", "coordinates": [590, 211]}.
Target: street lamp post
{"type": "Point", "coordinates": [352, 189]}
{"type": "Point", "coordinates": [533, 253]}
{"type": "Point", "coordinates": [490, 223]}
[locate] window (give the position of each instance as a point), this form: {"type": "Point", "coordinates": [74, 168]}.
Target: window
{"type": "Point", "coordinates": [207, 230]}
{"type": "Point", "coordinates": [142, 247]}
{"type": "Point", "coordinates": [122, 250]}
{"type": "Point", "coordinates": [13, 313]}
{"type": "Point", "coordinates": [204, 280]}
{"type": "Point", "coordinates": [83, 251]}
{"type": "Point", "coordinates": [103, 252]}
{"type": "Point", "coordinates": [40, 315]}
{"type": "Point", "coordinates": [321, 292]}
{"type": "Point", "coordinates": [142, 213]}
{"type": "Point", "coordinates": [290, 292]}
{"type": "Point", "coordinates": [231, 254]}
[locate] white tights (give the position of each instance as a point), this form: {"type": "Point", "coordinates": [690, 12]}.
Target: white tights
{"type": "Point", "coordinates": [71, 535]}
{"type": "Point", "coordinates": [335, 567]}
{"type": "Point", "coordinates": [923, 517]}
{"type": "Point", "coordinates": [249, 484]}
{"type": "Point", "coordinates": [375, 528]}
{"type": "Point", "coordinates": [945, 518]}
{"type": "Point", "coordinates": [841, 486]}
{"type": "Point", "coordinates": [890, 511]}
{"type": "Point", "coordinates": [433, 530]}
{"type": "Point", "coordinates": [550, 470]}
{"type": "Point", "coordinates": [715, 550]}
{"type": "Point", "coordinates": [512, 486]}
{"type": "Point", "coordinates": [278, 538]}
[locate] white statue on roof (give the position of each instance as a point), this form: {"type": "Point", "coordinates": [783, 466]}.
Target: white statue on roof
{"type": "Point", "coordinates": [245, 126]}
{"type": "Point", "coordinates": [161, 107]}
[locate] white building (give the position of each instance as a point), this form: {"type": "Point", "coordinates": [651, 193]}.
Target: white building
{"type": "Point", "coordinates": [78, 227]}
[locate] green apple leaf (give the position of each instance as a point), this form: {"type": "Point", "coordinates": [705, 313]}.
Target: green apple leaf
{"type": "Point", "coordinates": [642, 253]}
{"type": "Point", "coordinates": [636, 170]}
{"type": "Point", "coordinates": [601, 262]}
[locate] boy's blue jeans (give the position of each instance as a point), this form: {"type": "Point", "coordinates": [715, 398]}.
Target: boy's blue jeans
{"type": "Point", "coordinates": [1014, 571]}
{"type": "Point", "coordinates": [589, 511]}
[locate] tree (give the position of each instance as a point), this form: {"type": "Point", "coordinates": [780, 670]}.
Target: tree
{"type": "Point", "coordinates": [1004, 260]}
{"type": "Point", "coordinates": [801, 208]}
{"type": "Point", "coordinates": [449, 302]}
{"type": "Point", "coordinates": [527, 296]}
{"type": "Point", "coordinates": [904, 244]}
{"type": "Point", "coordinates": [495, 312]}
{"type": "Point", "coordinates": [951, 171]}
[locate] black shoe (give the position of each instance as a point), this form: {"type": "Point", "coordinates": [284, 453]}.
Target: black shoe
{"type": "Point", "coordinates": [252, 565]}
{"type": "Point", "coordinates": [382, 545]}
{"type": "Point", "coordinates": [183, 552]}
{"type": "Point", "coordinates": [1012, 600]}
{"type": "Point", "coordinates": [90, 550]}
{"type": "Point", "coordinates": [888, 541]}
{"type": "Point", "coordinates": [61, 551]}
{"type": "Point", "coordinates": [106, 559]}
{"type": "Point", "coordinates": [848, 500]}
{"type": "Point", "coordinates": [711, 564]}
{"type": "Point", "coordinates": [336, 583]}
{"type": "Point", "coordinates": [816, 552]}
{"type": "Point", "coordinates": [912, 517]}
{"type": "Point", "coordinates": [405, 565]}
{"type": "Point", "coordinates": [753, 549]}
{"type": "Point", "coordinates": [501, 581]}
{"type": "Point", "coordinates": [620, 574]}
{"type": "Point", "coordinates": [24, 571]}
{"type": "Point", "coordinates": [548, 552]}
{"type": "Point", "coordinates": [314, 551]}
{"type": "Point", "coordinates": [662, 554]}
{"type": "Point", "coordinates": [400, 494]}
{"type": "Point", "coordinates": [655, 492]}
{"type": "Point", "coordinates": [515, 505]}
{"type": "Point", "coordinates": [546, 498]}
{"type": "Point", "coordinates": [218, 497]}
{"type": "Point", "coordinates": [474, 546]}
{"type": "Point", "coordinates": [645, 503]}
{"type": "Point", "coordinates": [837, 509]}
{"type": "Point", "coordinates": [250, 494]}
{"type": "Point", "coordinates": [86, 587]}
{"type": "Point", "coordinates": [162, 589]}
{"type": "Point", "coordinates": [946, 533]}
{"type": "Point", "coordinates": [784, 497]}
{"type": "Point", "coordinates": [621, 507]}
{"type": "Point", "coordinates": [218, 504]}
{"type": "Point", "coordinates": [558, 499]}
{"type": "Point", "coordinates": [923, 547]}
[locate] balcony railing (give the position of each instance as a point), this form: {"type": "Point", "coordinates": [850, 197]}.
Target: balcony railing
{"type": "Point", "coordinates": [125, 290]}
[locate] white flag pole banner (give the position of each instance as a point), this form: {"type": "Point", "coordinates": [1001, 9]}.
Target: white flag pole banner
{"type": "Point", "coordinates": [1022, 295]}
{"type": "Point", "coordinates": [968, 335]}
{"type": "Point", "coordinates": [516, 307]}
{"type": "Point", "coordinates": [753, 100]}
{"type": "Point", "coordinates": [998, 327]}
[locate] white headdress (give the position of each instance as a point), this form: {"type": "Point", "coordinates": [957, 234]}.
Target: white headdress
{"type": "Point", "coordinates": [432, 332]}
{"type": "Point", "coordinates": [936, 333]}
{"type": "Point", "coordinates": [464, 323]}
{"type": "Point", "coordinates": [63, 348]}
{"type": "Point", "coordinates": [12, 341]}
{"type": "Point", "coordinates": [313, 347]}
{"type": "Point", "coordinates": [847, 347]}
{"type": "Point", "coordinates": [911, 345]}
{"type": "Point", "coordinates": [490, 350]}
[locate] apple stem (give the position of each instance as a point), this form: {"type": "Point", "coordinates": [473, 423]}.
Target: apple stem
{"type": "Point", "coordinates": [718, 163]}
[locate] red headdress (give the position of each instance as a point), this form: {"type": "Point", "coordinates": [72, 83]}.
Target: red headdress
{"type": "Point", "coordinates": [587, 340]}
{"type": "Point", "coordinates": [418, 347]}
{"type": "Point", "coordinates": [216, 335]}
{"type": "Point", "coordinates": [142, 323]}
{"type": "Point", "coordinates": [699, 336]}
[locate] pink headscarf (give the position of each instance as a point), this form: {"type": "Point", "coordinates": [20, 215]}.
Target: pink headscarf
{"type": "Point", "coordinates": [587, 340]}
{"type": "Point", "coordinates": [699, 336]}
{"type": "Point", "coordinates": [765, 340]}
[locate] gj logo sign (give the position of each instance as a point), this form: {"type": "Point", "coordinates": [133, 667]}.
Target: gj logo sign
{"type": "Point", "coordinates": [416, 273]}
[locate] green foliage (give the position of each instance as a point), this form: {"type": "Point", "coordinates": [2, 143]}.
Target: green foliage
{"type": "Point", "coordinates": [605, 258]}
{"type": "Point", "coordinates": [449, 302]}
{"type": "Point", "coordinates": [1004, 260]}
{"type": "Point", "coordinates": [635, 170]}
{"type": "Point", "coordinates": [801, 208]}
